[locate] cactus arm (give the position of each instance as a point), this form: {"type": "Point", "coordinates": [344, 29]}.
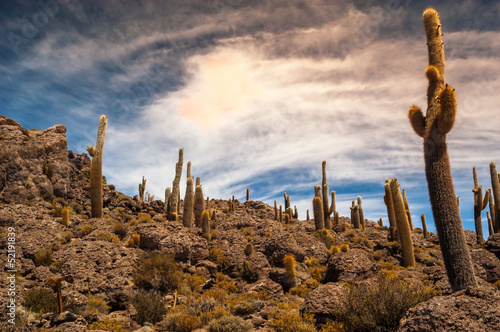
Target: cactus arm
{"type": "Point", "coordinates": [417, 120]}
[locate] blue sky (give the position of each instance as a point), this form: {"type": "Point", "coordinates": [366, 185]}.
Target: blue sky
{"type": "Point", "coordinates": [258, 93]}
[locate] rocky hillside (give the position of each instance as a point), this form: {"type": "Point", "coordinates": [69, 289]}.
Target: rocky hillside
{"type": "Point", "coordinates": [133, 270]}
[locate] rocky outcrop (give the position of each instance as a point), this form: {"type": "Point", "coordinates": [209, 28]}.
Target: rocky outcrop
{"type": "Point", "coordinates": [353, 265]}
{"type": "Point", "coordinates": [321, 301]}
{"type": "Point", "coordinates": [493, 244]}
{"type": "Point", "coordinates": [471, 309]}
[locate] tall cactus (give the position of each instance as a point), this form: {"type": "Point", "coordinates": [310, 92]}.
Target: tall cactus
{"type": "Point", "coordinates": [96, 168]}
{"type": "Point", "coordinates": [405, 237]}
{"type": "Point", "coordinates": [433, 127]}
{"type": "Point", "coordinates": [188, 170]}
{"type": "Point", "coordinates": [174, 197]}
{"type": "Point", "coordinates": [167, 200]}
{"type": "Point", "coordinates": [490, 225]}
{"type": "Point", "coordinates": [480, 204]}
{"type": "Point", "coordinates": [495, 185]}
{"type": "Point", "coordinates": [355, 216]}
{"type": "Point", "coordinates": [325, 192]}
{"type": "Point", "coordinates": [142, 188]}
{"type": "Point", "coordinates": [319, 220]}
{"type": "Point", "coordinates": [361, 213]}
{"type": "Point", "coordinates": [407, 208]}
{"type": "Point", "coordinates": [199, 205]}
{"type": "Point", "coordinates": [390, 210]}
{"type": "Point", "coordinates": [187, 216]}
{"type": "Point", "coordinates": [492, 212]}
{"type": "Point", "coordinates": [205, 225]}
{"type": "Point", "coordinates": [424, 226]}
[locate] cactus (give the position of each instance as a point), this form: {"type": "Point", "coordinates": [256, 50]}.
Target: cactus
{"type": "Point", "coordinates": [96, 169]}
{"type": "Point", "coordinates": [332, 206]}
{"type": "Point", "coordinates": [380, 222]}
{"type": "Point", "coordinates": [287, 218]}
{"type": "Point", "coordinates": [188, 170]}
{"type": "Point", "coordinates": [187, 216]}
{"type": "Point", "coordinates": [355, 216]}
{"type": "Point", "coordinates": [248, 194]}
{"type": "Point", "coordinates": [403, 225]}
{"type": "Point", "coordinates": [307, 215]}
{"type": "Point", "coordinates": [65, 216]}
{"type": "Point", "coordinates": [289, 211]}
{"type": "Point", "coordinates": [174, 197]}
{"type": "Point", "coordinates": [336, 218]}
{"type": "Point", "coordinates": [390, 210]}
{"type": "Point", "coordinates": [439, 119]}
{"type": "Point", "coordinates": [361, 213]}
{"type": "Point", "coordinates": [407, 208]}
{"type": "Point", "coordinates": [199, 205]}
{"type": "Point", "coordinates": [275, 210]}
{"type": "Point", "coordinates": [318, 213]}
{"type": "Point", "coordinates": [480, 204]}
{"type": "Point", "coordinates": [490, 225]}
{"type": "Point", "coordinates": [142, 188]}
{"type": "Point", "coordinates": [198, 183]}
{"type": "Point", "coordinates": [281, 214]}
{"type": "Point", "coordinates": [167, 200]}
{"type": "Point", "coordinates": [344, 247]}
{"type": "Point", "coordinates": [249, 249]}
{"type": "Point", "coordinates": [295, 212]}
{"type": "Point", "coordinates": [492, 212]}
{"type": "Point", "coordinates": [290, 279]}
{"type": "Point", "coordinates": [424, 226]}
{"type": "Point", "coordinates": [55, 284]}
{"type": "Point", "coordinates": [495, 185]}
{"type": "Point", "coordinates": [325, 191]}
{"type": "Point", "coordinates": [205, 225]}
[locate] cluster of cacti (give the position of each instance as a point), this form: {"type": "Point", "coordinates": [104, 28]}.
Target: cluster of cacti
{"type": "Point", "coordinates": [404, 231]}
{"type": "Point", "coordinates": [96, 169]}
{"type": "Point", "coordinates": [287, 200]}
{"type": "Point", "coordinates": [480, 204]}
{"type": "Point", "coordinates": [390, 211]}
{"type": "Point", "coordinates": [149, 198]}
{"type": "Point", "coordinates": [433, 127]}
{"type": "Point", "coordinates": [495, 198]}
{"type": "Point", "coordinates": [174, 197]}
{"type": "Point", "coordinates": [142, 188]}
{"type": "Point", "coordinates": [355, 215]}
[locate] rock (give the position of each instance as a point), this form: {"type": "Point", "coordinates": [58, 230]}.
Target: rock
{"type": "Point", "coordinates": [271, 288]}
{"type": "Point", "coordinates": [353, 265]}
{"type": "Point", "coordinates": [279, 245]}
{"type": "Point", "coordinates": [493, 244]}
{"type": "Point", "coordinates": [471, 309]}
{"type": "Point", "coordinates": [321, 301]}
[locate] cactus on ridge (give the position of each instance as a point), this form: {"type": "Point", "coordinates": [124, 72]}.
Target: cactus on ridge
{"type": "Point", "coordinates": [96, 169]}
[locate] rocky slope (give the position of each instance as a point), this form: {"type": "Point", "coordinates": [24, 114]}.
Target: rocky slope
{"type": "Point", "coordinates": [99, 260]}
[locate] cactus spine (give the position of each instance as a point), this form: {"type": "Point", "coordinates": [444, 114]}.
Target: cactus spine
{"type": "Point", "coordinates": [174, 197]}
{"type": "Point", "coordinates": [187, 218]}
{"type": "Point", "coordinates": [403, 225]}
{"type": "Point", "coordinates": [96, 169]}
{"type": "Point", "coordinates": [439, 119]}
{"type": "Point", "coordinates": [199, 205]}
{"type": "Point", "coordinates": [205, 225]}
{"type": "Point", "coordinates": [390, 210]}
{"type": "Point", "coordinates": [479, 205]}
{"type": "Point", "coordinates": [318, 213]}
{"type": "Point", "coordinates": [495, 185]}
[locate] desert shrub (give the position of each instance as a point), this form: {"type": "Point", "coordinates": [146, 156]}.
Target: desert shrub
{"type": "Point", "coordinates": [497, 284]}
{"type": "Point", "coordinates": [156, 271]}
{"type": "Point", "coordinates": [55, 267]}
{"type": "Point", "coordinates": [111, 325]}
{"type": "Point", "coordinates": [304, 289]}
{"type": "Point", "coordinates": [216, 255]}
{"type": "Point", "coordinates": [333, 327]}
{"type": "Point", "coordinates": [120, 229]}
{"type": "Point", "coordinates": [246, 307]}
{"type": "Point", "coordinates": [248, 231]}
{"type": "Point", "coordinates": [315, 268]}
{"type": "Point", "coordinates": [40, 300]}
{"type": "Point", "coordinates": [67, 237]}
{"type": "Point", "coordinates": [218, 294]}
{"type": "Point", "coordinates": [379, 306]}
{"type": "Point", "coordinates": [378, 255]}
{"type": "Point", "coordinates": [395, 246]}
{"type": "Point", "coordinates": [217, 312]}
{"type": "Point", "coordinates": [324, 236]}
{"type": "Point", "coordinates": [96, 305]}
{"type": "Point", "coordinates": [181, 321]}
{"type": "Point", "coordinates": [150, 306]}
{"type": "Point", "coordinates": [105, 236]}
{"type": "Point", "coordinates": [333, 250]}
{"type": "Point", "coordinates": [363, 241]}
{"type": "Point", "coordinates": [291, 322]}
{"type": "Point", "coordinates": [194, 282]}
{"type": "Point", "coordinates": [43, 257]}
{"type": "Point", "coordinates": [229, 323]}
{"type": "Point", "coordinates": [86, 229]}
{"type": "Point", "coordinates": [248, 272]}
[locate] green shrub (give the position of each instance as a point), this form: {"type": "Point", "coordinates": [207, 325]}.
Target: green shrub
{"type": "Point", "coordinates": [229, 323]}
{"type": "Point", "coordinates": [156, 271]}
{"type": "Point", "coordinates": [150, 306]}
{"type": "Point", "coordinates": [379, 306]}
{"type": "Point", "coordinates": [40, 300]}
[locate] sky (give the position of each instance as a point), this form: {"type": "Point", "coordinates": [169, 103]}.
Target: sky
{"type": "Point", "coordinates": [258, 93]}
